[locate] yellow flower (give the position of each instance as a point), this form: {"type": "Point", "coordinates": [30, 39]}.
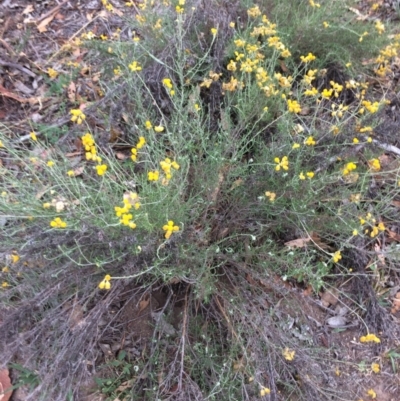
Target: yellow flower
{"type": "Point", "coordinates": [52, 73]}
{"type": "Point", "coordinates": [374, 164]}
{"type": "Point", "coordinates": [293, 106]}
{"type": "Point", "coordinates": [50, 163]}
{"type": "Point", "coordinates": [153, 175]}
{"type": "Point", "coordinates": [159, 128]}
{"type": "Point", "coordinates": [349, 167]}
{"type": "Point", "coordinates": [126, 219]}
{"type": "Point", "coordinates": [46, 205]}
{"type": "Point", "coordinates": [141, 143]}
{"type": "Point", "coordinates": [87, 141]}
{"type": "Point", "coordinates": [371, 393]}
{"type": "Point", "coordinates": [134, 66]}
{"type": "Point", "coordinates": [311, 92]}
{"type": "Point", "coordinates": [295, 146]}
{"type": "Point", "coordinates": [231, 24]}
{"type": "Point", "coordinates": [167, 82]}
{"type": "Point", "coordinates": [170, 228]}
{"type": "Point", "coordinates": [355, 232]}
{"type": "Point", "coordinates": [270, 195]}
{"type": "Point", "coordinates": [5, 269]}
{"type": "Point", "coordinates": [231, 66]}
{"type": "Point", "coordinates": [105, 284]}
{"type": "Point", "coordinates": [336, 257]}
{"type": "Point", "coordinates": [4, 284]}
{"type": "Point", "coordinates": [325, 24]}
{"type": "Point", "coordinates": [371, 107]}
{"type": "Point", "coordinates": [264, 391]}
{"type": "Point", "coordinates": [327, 93]}
{"type": "Point", "coordinates": [284, 163]}
{"type": "Point", "coordinates": [308, 58]}
{"type": "Point", "coordinates": [157, 25]}
{"type": "Point", "coordinates": [379, 27]}
{"type": "Point", "coordinates": [314, 4]}
{"type": "Point", "coordinates": [286, 53]}
{"type": "Point", "coordinates": [179, 9]}
{"type": "Point", "coordinates": [33, 136]}
{"type": "Point", "coordinates": [302, 176]}
{"type": "Point", "coordinates": [239, 42]}
{"type": "Point", "coordinates": [101, 169]}
{"type": "Point", "coordinates": [370, 338]}
{"type": "Point", "coordinates": [58, 223]}
{"type": "Point", "coordinates": [355, 140]}
{"type": "Point", "coordinates": [77, 116]}
{"type": "Point", "coordinates": [369, 139]}
{"type": "Point", "coordinates": [254, 12]}
{"type": "Point", "coordinates": [310, 174]}
{"type": "Point", "coordinates": [70, 173]}
{"type": "Point", "coordinates": [148, 125]}
{"type": "Point", "coordinates": [14, 258]}
{"type": "Point", "coordinates": [288, 354]}
{"type": "Point", "coordinates": [214, 31]}
{"type": "Point", "coordinates": [375, 367]}
{"type": "Point", "coordinates": [310, 141]}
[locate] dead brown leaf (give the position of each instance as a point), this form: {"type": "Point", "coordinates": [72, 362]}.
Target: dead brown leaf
{"type": "Point", "coordinates": [143, 304]}
{"type": "Point", "coordinates": [395, 203]}
{"type": "Point", "coordinates": [298, 243]}
{"type": "Point", "coordinates": [42, 26]}
{"type": "Point", "coordinates": [393, 236]}
{"type": "Point", "coordinates": [71, 91]}
{"type": "Point", "coordinates": [28, 9]}
{"type": "Point", "coordinates": [329, 297]}
{"type": "Point", "coordinates": [5, 384]}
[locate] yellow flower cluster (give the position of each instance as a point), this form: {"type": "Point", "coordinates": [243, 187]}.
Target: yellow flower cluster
{"type": "Point", "coordinates": [264, 391]}
{"type": "Point", "coordinates": [58, 223]}
{"type": "Point", "coordinates": [170, 228]}
{"type": "Point", "coordinates": [90, 148]}
{"type": "Point", "coordinates": [139, 145]}
{"type": "Point", "coordinates": [249, 55]}
{"type": "Point", "coordinates": [168, 86]}
{"type": "Point", "coordinates": [179, 9]}
{"type": "Point", "coordinates": [108, 6]}
{"type": "Point", "coordinates": [310, 141]}
{"type": "Point", "coordinates": [370, 338]}
{"type": "Point", "coordinates": [374, 164]}
{"type": "Point", "coordinates": [105, 284]}
{"type": "Point", "coordinates": [349, 167]}
{"type": "Point", "coordinates": [288, 354]}
{"type": "Point", "coordinates": [130, 199]}
{"type": "Point", "coordinates": [375, 367]}
{"type": "Point", "coordinates": [270, 195]}
{"type": "Point", "coordinates": [336, 256]}
{"type": "Point", "coordinates": [309, 175]}
{"type": "Point", "coordinates": [254, 12]}
{"type": "Point", "coordinates": [101, 169]}
{"type": "Point", "coordinates": [371, 107]}
{"type": "Point", "coordinates": [293, 106]}
{"type": "Point", "coordinates": [153, 175]}
{"type": "Point", "coordinates": [134, 66]}
{"type": "Point", "coordinates": [208, 81]}
{"type": "Point", "coordinates": [77, 116]}
{"type": "Point", "coordinates": [284, 163]}
{"type": "Point", "coordinates": [166, 166]}
{"type": "Point", "coordinates": [306, 59]}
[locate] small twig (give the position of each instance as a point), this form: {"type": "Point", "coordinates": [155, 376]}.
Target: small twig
{"type": "Point", "coordinates": [18, 67]}
{"type": "Point", "coordinates": [387, 147]}
{"type": "Point", "coordinates": [183, 343]}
